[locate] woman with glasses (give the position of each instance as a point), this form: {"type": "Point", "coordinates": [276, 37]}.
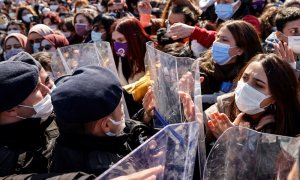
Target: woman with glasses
{"type": "Point", "coordinates": [53, 41]}
{"type": "Point", "coordinates": [13, 44]}
{"type": "Point", "coordinates": [36, 35]}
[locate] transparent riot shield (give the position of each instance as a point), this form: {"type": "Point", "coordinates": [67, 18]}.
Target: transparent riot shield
{"type": "Point", "coordinates": [172, 75]}
{"type": "Point", "coordinates": [165, 71]}
{"type": "Point", "coordinates": [241, 153]}
{"type": "Point", "coordinates": [199, 117]}
{"type": "Point", "coordinates": [66, 59]}
{"type": "Point", "coordinates": [174, 147]}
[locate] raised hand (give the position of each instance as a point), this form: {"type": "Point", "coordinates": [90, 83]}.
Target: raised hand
{"type": "Point", "coordinates": [148, 105]}
{"type": "Point", "coordinates": [220, 122]}
{"type": "Point", "coordinates": [180, 30]}
{"type": "Point", "coordinates": [283, 51]}
{"type": "Point", "coordinates": [147, 174]}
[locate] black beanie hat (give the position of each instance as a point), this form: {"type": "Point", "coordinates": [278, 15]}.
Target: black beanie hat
{"type": "Point", "coordinates": [91, 93]}
{"type": "Point", "coordinates": [17, 82]}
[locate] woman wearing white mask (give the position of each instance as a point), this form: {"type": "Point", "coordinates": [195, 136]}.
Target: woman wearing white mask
{"type": "Point", "coordinates": [236, 43]}
{"type": "Point", "coordinates": [36, 35]}
{"type": "Point", "coordinates": [14, 43]}
{"type": "Point", "coordinates": [265, 99]}
{"type": "Point", "coordinates": [26, 14]}
{"type": "Point", "coordinates": [16, 26]}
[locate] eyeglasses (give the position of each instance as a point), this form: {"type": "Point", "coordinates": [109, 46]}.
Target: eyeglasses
{"type": "Point", "coordinates": [46, 47]}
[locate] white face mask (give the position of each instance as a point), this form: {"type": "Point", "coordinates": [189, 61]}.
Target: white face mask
{"type": "Point", "coordinates": [13, 31]}
{"type": "Point", "coordinates": [248, 99]}
{"type": "Point", "coordinates": [12, 15]}
{"type": "Point", "coordinates": [96, 36]}
{"type": "Point", "coordinates": [27, 18]}
{"type": "Point", "coordinates": [294, 43]}
{"type": "Point", "coordinates": [121, 124]}
{"type": "Point", "coordinates": [36, 47]}
{"type": "Point", "coordinates": [43, 108]}
{"type": "Point", "coordinates": [67, 34]}
{"type": "Point", "coordinates": [53, 27]}
{"type": "Point", "coordinates": [53, 7]}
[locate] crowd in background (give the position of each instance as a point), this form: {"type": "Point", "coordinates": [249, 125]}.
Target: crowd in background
{"type": "Point", "coordinates": [247, 51]}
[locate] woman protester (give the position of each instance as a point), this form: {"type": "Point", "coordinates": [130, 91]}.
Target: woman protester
{"type": "Point", "coordinates": [265, 99]}
{"type": "Point", "coordinates": [83, 22]}
{"type": "Point", "coordinates": [16, 26]}
{"type": "Point", "coordinates": [53, 41]}
{"type": "Point", "coordinates": [68, 30]}
{"type": "Point", "coordinates": [235, 44]}
{"type": "Point", "coordinates": [27, 15]}
{"type": "Point", "coordinates": [13, 44]}
{"type": "Point", "coordinates": [101, 28]}
{"type": "Point", "coordinates": [36, 35]}
{"type": "Point", "coordinates": [129, 45]}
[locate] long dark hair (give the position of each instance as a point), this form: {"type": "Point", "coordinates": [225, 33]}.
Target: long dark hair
{"type": "Point", "coordinates": [284, 88]}
{"type": "Point", "coordinates": [246, 38]}
{"type": "Point", "coordinates": [136, 38]}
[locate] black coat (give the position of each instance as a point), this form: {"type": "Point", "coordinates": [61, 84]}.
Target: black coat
{"type": "Point", "coordinates": [26, 146]}
{"type": "Point", "coordinates": [94, 154]}
{"type": "Point", "coordinates": [87, 153]}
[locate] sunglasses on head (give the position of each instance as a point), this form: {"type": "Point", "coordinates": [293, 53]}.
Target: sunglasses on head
{"type": "Point", "coordinates": [46, 47]}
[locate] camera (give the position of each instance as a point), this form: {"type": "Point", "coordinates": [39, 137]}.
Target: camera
{"type": "Point", "coordinates": [162, 39]}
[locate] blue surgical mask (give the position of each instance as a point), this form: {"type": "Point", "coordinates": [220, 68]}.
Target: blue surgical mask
{"type": "Point", "coordinates": [36, 47]}
{"type": "Point", "coordinates": [225, 11]}
{"type": "Point", "coordinates": [220, 53]}
{"type": "Point", "coordinates": [96, 36]}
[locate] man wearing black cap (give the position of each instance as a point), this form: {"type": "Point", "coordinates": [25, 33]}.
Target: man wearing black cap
{"type": "Point", "coordinates": [45, 77]}
{"type": "Point", "coordinates": [91, 121]}
{"type": "Point", "coordinates": [25, 145]}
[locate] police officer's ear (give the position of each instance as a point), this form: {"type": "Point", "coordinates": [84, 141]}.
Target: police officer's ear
{"type": "Point", "coordinates": [8, 115]}
{"type": "Point", "coordinates": [105, 126]}
{"type": "Point", "coordinates": [11, 112]}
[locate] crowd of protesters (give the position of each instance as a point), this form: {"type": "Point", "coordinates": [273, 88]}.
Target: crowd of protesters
{"type": "Point", "coordinates": [248, 53]}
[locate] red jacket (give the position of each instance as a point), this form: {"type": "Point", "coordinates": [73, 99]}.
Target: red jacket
{"type": "Point", "coordinates": [203, 36]}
